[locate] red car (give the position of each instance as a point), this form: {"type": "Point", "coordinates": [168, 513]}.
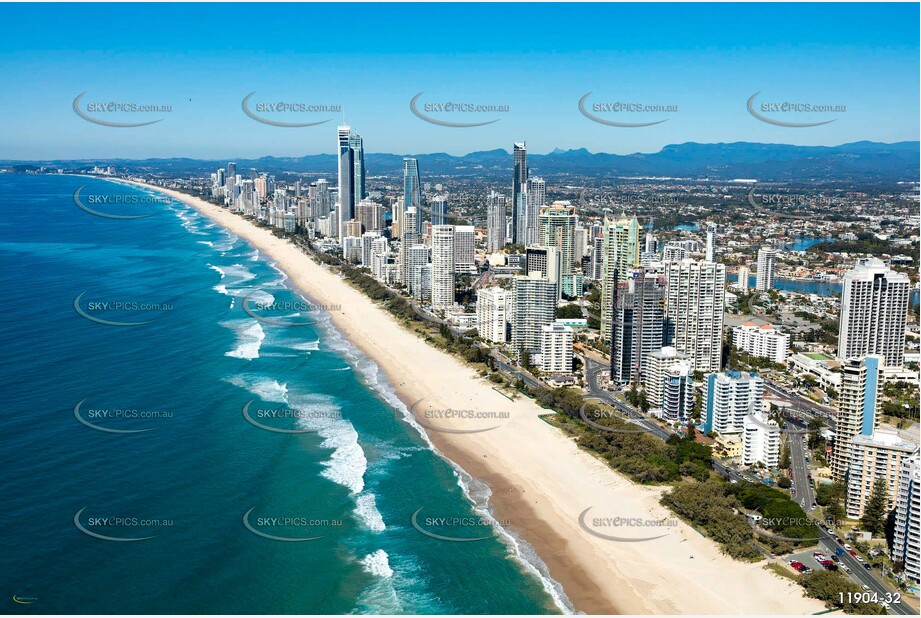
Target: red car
{"type": "Point", "coordinates": [853, 553]}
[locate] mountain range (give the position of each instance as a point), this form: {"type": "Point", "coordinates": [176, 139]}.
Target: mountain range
{"type": "Point", "coordinates": [857, 161]}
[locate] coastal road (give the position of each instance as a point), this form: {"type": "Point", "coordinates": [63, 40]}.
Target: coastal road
{"type": "Point", "coordinates": [808, 406]}
{"type": "Point", "coordinates": [593, 368]}
{"type": "Point", "coordinates": [805, 496]}
{"type": "Point", "coordinates": [861, 575]}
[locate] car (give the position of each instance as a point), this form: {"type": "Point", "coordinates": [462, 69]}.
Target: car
{"type": "Point", "coordinates": [847, 547]}
{"type": "Point", "coordinates": [812, 508]}
{"type": "Point", "coordinates": [836, 559]}
{"type": "Point", "coordinates": [846, 570]}
{"type": "Point", "coordinates": [817, 555]}
{"type": "Point", "coordinates": [858, 558]}
{"type": "Point", "coordinates": [886, 605]}
{"type": "Point", "coordinates": [839, 540]}
{"type": "Point", "coordinates": [865, 587]}
{"type": "Point", "coordinates": [867, 566]}
{"type": "Point", "coordinates": [853, 553]}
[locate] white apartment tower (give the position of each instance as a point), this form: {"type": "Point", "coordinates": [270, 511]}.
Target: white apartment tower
{"type": "Point", "coordinates": [874, 309]}
{"type": "Point", "coordinates": [556, 349]}
{"type": "Point", "coordinates": [442, 266]}
{"type": "Point", "coordinates": [767, 265]}
{"type": "Point", "coordinates": [760, 440]}
{"type": "Point", "coordinates": [906, 544]}
{"type": "Point", "coordinates": [491, 314]}
{"type": "Point", "coordinates": [694, 297]}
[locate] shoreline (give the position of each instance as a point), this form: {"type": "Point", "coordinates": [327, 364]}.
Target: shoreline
{"type": "Point", "coordinates": [540, 481]}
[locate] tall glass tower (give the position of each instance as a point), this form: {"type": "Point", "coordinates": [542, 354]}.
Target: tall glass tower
{"type": "Point", "coordinates": [412, 190]}
{"type": "Point", "coordinates": [519, 192]}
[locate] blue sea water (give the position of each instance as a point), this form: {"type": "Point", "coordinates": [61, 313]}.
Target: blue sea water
{"type": "Point", "coordinates": [193, 465]}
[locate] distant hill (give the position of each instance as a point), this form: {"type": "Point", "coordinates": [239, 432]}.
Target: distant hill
{"type": "Point", "coordinates": [858, 161]}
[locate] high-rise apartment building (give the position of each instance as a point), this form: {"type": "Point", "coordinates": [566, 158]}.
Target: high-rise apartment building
{"type": "Point", "coordinates": [556, 349]}
{"type": "Point", "coordinates": [620, 253]}
{"type": "Point", "coordinates": [767, 266]}
{"type": "Point", "coordinates": [729, 397]}
{"type": "Point", "coordinates": [443, 266]}
{"type": "Point", "coordinates": [906, 543]}
{"type": "Point", "coordinates": [535, 300]}
{"type": "Point", "coordinates": [760, 440]}
{"type": "Point", "coordinates": [858, 404]}
{"type": "Point", "coordinates": [496, 214]}
{"type": "Point", "coordinates": [874, 310]}
{"type": "Point", "coordinates": [556, 228]}
{"type": "Point", "coordinates": [695, 293]}
{"type": "Point", "coordinates": [638, 323]}
{"type": "Point", "coordinates": [877, 456]}
{"type": "Point", "coordinates": [492, 313]}
{"type": "Point", "coordinates": [464, 249]}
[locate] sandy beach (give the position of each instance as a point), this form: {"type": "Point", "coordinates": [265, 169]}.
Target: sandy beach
{"type": "Point", "coordinates": [540, 481]}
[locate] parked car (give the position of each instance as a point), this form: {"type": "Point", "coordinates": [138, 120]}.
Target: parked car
{"type": "Point", "coordinates": [853, 553]}
{"type": "Point", "coordinates": [867, 566]}
{"type": "Point", "coordinates": [847, 547]}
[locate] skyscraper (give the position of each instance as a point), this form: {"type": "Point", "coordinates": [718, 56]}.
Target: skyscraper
{"type": "Point", "coordinates": [857, 409]}
{"type": "Point", "coordinates": [442, 266]}
{"type": "Point", "coordinates": [536, 199]}
{"type": "Point", "coordinates": [620, 253]}
{"type": "Point", "coordinates": [556, 228]}
{"type": "Point", "coordinates": [695, 293]}
{"type": "Point", "coordinates": [638, 323]}
{"type": "Point", "coordinates": [519, 191]}
{"type": "Point", "coordinates": [742, 279]}
{"type": "Point", "coordinates": [711, 242]}
{"type": "Point", "coordinates": [906, 543]}
{"type": "Point", "coordinates": [874, 310]}
{"type": "Point", "coordinates": [465, 249]}
{"type": "Point", "coordinates": [677, 393]}
{"type": "Point", "coordinates": [440, 210]}
{"type": "Point", "coordinates": [412, 189]}
{"type": "Point", "coordinates": [556, 349]}
{"type": "Point", "coordinates": [546, 261]}
{"type": "Point", "coordinates": [351, 189]}
{"type": "Point", "coordinates": [495, 222]}
{"type": "Point", "coordinates": [491, 309]}
{"type": "Point", "coordinates": [654, 367]}
{"type": "Point", "coordinates": [535, 307]}
{"type": "Point", "coordinates": [767, 265]}
{"type": "Point", "coordinates": [873, 457]}
{"type": "Point", "coordinates": [408, 239]}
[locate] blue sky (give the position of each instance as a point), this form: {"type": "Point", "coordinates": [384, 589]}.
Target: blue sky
{"type": "Point", "coordinates": [538, 59]}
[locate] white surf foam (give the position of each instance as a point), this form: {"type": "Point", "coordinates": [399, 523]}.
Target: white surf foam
{"type": "Point", "coordinates": [366, 509]}
{"type": "Point", "coordinates": [377, 563]}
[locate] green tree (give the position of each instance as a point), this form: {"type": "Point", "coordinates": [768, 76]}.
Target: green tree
{"type": "Point", "coordinates": [874, 512]}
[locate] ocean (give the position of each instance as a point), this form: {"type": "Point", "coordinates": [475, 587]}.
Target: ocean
{"type": "Point", "coordinates": [184, 435]}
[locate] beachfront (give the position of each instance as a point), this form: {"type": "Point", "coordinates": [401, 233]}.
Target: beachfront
{"type": "Point", "coordinates": [540, 481]}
